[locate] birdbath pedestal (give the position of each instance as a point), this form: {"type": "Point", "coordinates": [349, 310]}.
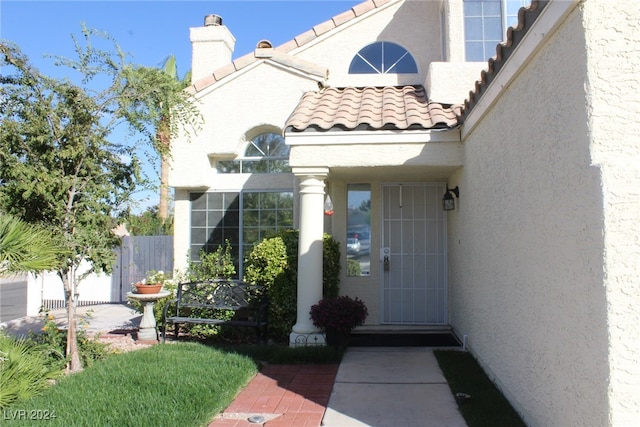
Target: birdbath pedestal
{"type": "Point", "coordinates": [147, 331]}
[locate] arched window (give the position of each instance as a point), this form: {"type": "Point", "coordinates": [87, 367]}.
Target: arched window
{"type": "Point", "coordinates": [266, 153]}
{"type": "Point", "coordinates": [383, 58]}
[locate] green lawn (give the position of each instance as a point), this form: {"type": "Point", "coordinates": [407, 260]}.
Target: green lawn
{"type": "Point", "coordinates": [180, 384]}
{"type": "Point", "coordinates": [487, 407]}
{"type": "Point", "coordinates": [183, 384]}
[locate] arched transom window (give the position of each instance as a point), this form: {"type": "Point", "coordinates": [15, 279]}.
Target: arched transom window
{"type": "Point", "coordinates": [266, 153]}
{"type": "Point", "coordinates": [383, 58]}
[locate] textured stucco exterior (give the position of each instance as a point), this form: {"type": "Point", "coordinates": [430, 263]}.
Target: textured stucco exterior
{"type": "Point", "coordinates": [450, 82]}
{"type": "Point", "coordinates": [336, 49]}
{"type": "Point", "coordinates": [613, 83]}
{"type": "Point", "coordinates": [211, 48]}
{"type": "Point", "coordinates": [544, 244]}
{"type": "Point", "coordinates": [541, 227]}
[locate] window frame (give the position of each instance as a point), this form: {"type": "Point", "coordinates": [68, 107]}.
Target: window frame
{"type": "Point", "coordinates": [506, 18]}
{"type": "Point", "coordinates": [359, 59]}
{"type": "Point", "coordinates": [238, 247]}
{"type": "Point", "coordinates": [251, 164]}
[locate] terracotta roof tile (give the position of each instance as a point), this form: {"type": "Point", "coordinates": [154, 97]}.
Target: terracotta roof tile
{"type": "Point", "coordinates": [223, 72]}
{"type": "Point", "coordinates": [362, 8]}
{"type": "Point", "coordinates": [526, 17]}
{"type": "Point", "coordinates": [392, 107]}
{"type": "Point", "coordinates": [295, 43]}
{"type": "Point", "coordinates": [244, 60]}
{"type": "Point", "coordinates": [305, 38]}
{"type": "Point", "coordinates": [204, 82]}
{"type": "Point", "coordinates": [288, 46]}
{"type": "Point", "coordinates": [380, 3]}
{"type": "Point", "coordinates": [324, 27]}
{"type": "Point", "coordinates": [343, 17]}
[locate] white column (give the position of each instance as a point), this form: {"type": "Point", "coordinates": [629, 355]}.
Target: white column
{"type": "Point", "coordinates": [309, 254]}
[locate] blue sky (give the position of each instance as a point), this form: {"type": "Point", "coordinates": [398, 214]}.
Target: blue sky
{"type": "Point", "coordinates": [150, 31]}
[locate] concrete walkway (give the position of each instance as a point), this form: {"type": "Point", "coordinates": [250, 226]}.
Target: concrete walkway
{"type": "Point", "coordinates": [99, 318]}
{"type": "Point", "coordinates": [391, 386]}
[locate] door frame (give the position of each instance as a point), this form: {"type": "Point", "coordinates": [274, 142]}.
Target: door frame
{"type": "Point", "coordinates": [443, 307]}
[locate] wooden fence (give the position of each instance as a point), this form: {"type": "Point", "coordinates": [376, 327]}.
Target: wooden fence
{"type": "Point", "coordinates": [136, 256]}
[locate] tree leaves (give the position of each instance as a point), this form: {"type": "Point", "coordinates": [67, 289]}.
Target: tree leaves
{"type": "Point", "coordinates": [64, 161]}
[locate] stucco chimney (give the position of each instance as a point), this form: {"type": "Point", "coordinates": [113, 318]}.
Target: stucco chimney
{"type": "Point", "coordinates": [211, 47]}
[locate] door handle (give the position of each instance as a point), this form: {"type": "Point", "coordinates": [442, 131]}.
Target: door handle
{"type": "Point", "coordinates": [385, 263]}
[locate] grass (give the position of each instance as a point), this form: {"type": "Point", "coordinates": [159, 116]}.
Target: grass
{"type": "Point", "coordinates": [183, 384]}
{"type": "Point", "coordinates": [487, 407]}
{"type": "Point", "coordinates": [179, 384]}
{"type": "Point", "coordinates": [282, 354]}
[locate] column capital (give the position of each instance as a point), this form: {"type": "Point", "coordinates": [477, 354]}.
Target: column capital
{"type": "Point", "coordinates": [318, 171]}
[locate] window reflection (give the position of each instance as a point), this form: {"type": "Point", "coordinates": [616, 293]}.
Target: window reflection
{"type": "Point", "coordinates": [358, 229]}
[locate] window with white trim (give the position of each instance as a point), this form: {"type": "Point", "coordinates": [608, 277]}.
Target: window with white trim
{"type": "Point", "coordinates": [486, 23]}
{"type": "Point", "coordinates": [242, 218]}
{"type": "Point", "coordinates": [383, 58]}
{"type": "Point", "coordinates": [266, 153]}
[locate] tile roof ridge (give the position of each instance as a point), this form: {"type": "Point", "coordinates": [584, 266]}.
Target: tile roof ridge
{"type": "Point", "coordinates": [526, 17]}
{"type": "Point", "coordinates": [286, 47]}
{"type": "Point", "coordinates": [382, 88]}
{"type": "Point", "coordinates": [332, 23]}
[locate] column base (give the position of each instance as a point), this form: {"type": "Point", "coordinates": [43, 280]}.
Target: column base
{"type": "Point", "coordinates": [148, 334]}
{"type": "Point", "coordinates": [297, 339]}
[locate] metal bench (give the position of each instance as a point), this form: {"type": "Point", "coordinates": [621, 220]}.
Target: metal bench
{"type": "Point", "coordinates": [248, 302]}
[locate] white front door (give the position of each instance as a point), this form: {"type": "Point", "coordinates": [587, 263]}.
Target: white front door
{"type": "Point", "coordinates": [413, 254]}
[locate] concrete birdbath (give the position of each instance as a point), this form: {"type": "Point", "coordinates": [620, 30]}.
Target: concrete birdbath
{"type": "Point", "coordinates": [147, 331]}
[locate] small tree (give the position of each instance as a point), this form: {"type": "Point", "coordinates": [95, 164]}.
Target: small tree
{"type": "Point", "coordinates": [170, 68]}
{"type": "Point", "coordinates": [59, 165]}
{"type": "Point", "coordinates": [149, 223]}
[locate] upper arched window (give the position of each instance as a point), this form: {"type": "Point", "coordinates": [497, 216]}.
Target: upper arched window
{"type": "Point", "coordinates": [383, 58]}
{"type": "Point", "coordinates": [266, 153]}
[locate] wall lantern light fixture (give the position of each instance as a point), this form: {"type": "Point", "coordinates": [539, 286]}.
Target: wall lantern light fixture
{"type": "Point", "coordinates": [448, 202]}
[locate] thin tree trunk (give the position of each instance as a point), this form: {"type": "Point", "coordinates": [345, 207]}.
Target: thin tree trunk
{"type": "Point", "coordinates": [164, 139]}
{"type": "Point", "coordinates": [163, 209]}
{"type": "Point", "coordinates": [74, 363]}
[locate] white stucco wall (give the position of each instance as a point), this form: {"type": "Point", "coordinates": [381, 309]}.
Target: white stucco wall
{"type": "Point", "coordinates": [451, 82]}
{"type": "Point", "coordinates": [613, 83]}
{"type": "Point", "coordinates": [454, 16]}
{"type": "Point", "coordinates": [526, 244]}
{"type": "Point", "coordinates": [262, 96]}
{"type": "Point", "coordinates": [387, 23]}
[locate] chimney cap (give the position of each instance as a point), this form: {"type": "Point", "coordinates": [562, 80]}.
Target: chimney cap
{"type": "Point", "coordinates": [212, 20]}
{"type": "Point", "coordinates": [264, 44]}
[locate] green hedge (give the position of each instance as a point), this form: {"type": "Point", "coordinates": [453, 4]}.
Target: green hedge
{"type": "Point", "coordinates": [274, 263]}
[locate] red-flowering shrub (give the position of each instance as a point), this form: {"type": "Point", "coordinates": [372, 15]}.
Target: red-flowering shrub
{"type": "Point", "coordinates": [341, 314]}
